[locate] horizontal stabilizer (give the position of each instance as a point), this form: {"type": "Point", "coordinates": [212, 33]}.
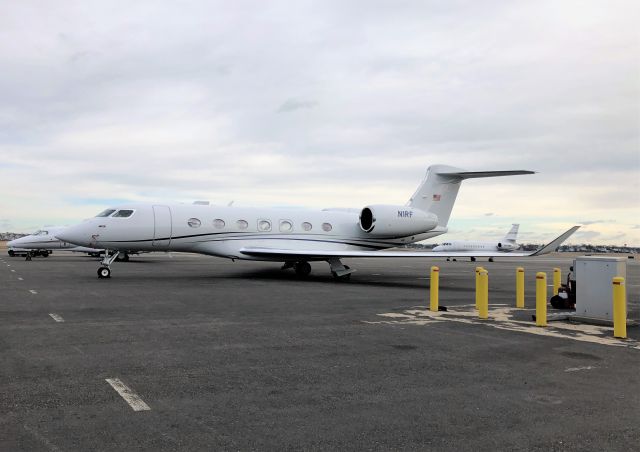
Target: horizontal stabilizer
{"type": "Point", "coordinates": [476, 174]}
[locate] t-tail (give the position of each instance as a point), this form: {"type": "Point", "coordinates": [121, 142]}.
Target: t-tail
{"type": "Point", "coordinates": [438, 191]}
{"type": "Point", "coordinates": [512, 235]}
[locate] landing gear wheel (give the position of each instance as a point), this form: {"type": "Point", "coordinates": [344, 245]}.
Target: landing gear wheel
{"type": "Point", "coordinates": [490, 259]}
{"type": "Point", "coordinates": [44, 254]}
{"type": "Point", "coordinates": [473, 259]}
{"type": "Point", "coordinates": [123, 257]}
{"type": "Point", "coordinates": [11, 253]}
{"type": "Point", "coordinates": [104, 272]}
{"type": "Point", "coordinates": [303, 269]}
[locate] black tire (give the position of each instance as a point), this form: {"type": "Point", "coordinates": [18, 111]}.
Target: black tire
{"type": "Point", "coordinates": [12, 253]}
{"type": "Point", "coordinates": [303, 269]}
{"type": "Point", "coordinates": [44, 254]}
{"type": "Point", "coordinates": [473, 259]}
{"type": "Point", "coordinates": [490, 259]}
{"type": "Point", "coordinates": [104, 272]}
{"type": "Point", "coordinates": [125, 258]}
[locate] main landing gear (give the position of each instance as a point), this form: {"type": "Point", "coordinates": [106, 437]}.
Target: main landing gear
{"type": "Point", "coordinates": [339, 271]}
{"type": "Point", "coordinates": [105, 271]}
{"type": "Point", "coordinates": [302, 268]}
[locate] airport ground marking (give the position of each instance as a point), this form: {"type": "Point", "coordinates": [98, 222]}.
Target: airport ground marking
{"type": "Point", "coordinates": [20, 279]}
{"type": "Point", "coordinates": [13, 270]}
{"type": "Point", "coordinates": [56, 317]}
{"type": "Point", "coordinates": [133, 399]}
{"type": "Point", "coordinates": [33, 291]}
{"type": "Point", "coordinates": [578, 369]}
{"type": "Point", "coordinates": [501, 317]}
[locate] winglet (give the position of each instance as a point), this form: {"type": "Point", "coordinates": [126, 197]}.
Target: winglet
{"type": "Point", "coordinates": [549, 248]}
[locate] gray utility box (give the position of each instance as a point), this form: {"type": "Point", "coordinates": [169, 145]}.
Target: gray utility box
{"type": "Point", "coordinates": [594, 288]}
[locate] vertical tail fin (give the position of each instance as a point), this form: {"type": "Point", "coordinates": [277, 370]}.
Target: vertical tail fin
{"type": "Point", "coordinates": [512, 235]}
{"type": "Point", "coordinates": [438, 190]}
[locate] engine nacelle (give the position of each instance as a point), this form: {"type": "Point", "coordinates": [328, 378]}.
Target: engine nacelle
{"type": "Point", "coordinates": [396, 221]}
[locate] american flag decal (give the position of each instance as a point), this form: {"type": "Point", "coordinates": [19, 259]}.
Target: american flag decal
{"type": "Point", "coordinates": [436, 198]}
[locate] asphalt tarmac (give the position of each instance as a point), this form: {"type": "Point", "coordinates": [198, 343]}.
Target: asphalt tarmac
{"type": "Point", "coordinates": [184, 352]}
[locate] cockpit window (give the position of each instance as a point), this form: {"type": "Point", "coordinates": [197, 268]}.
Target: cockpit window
{"type": "Point", "coordinates": [41, 232]}
{"type": "Point", "coordinates": [123, 214]}
{"type": "Point", "coordinates": [106, 213]}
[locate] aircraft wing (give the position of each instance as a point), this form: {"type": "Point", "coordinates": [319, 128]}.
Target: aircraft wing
{"type": "Point", "coordinates": [293, 254]}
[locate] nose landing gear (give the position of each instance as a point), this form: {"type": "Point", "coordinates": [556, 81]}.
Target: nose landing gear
{"type": "Point", "coordinates": [105, 271]}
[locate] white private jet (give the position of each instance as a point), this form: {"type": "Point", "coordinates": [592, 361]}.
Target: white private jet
{"type": "Point", "coordinates": [295, 237]}
{"type": "Point", "coordinates": [43, 242]}
{"type": "Point", "coordinates": [506, 245]}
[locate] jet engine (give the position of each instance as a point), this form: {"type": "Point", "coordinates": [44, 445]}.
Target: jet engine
{"type": "Point", "coordinates": [396, 221]}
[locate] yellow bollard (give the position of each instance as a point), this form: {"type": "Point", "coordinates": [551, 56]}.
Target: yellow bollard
{"type": "Point", "coordinates": [619, 308]}
{"type": "Point", "coordinates": [520, 287]}
{"type": "Point", "coordinates": [541, 299]}
{"type": "Point", "coordinates": [557, 276]}
{"type": "Point", "coordinates": [483, 307]}
{"type": "Point", "coordinates": [478, 270]}
{"type": "Point", "coordinates": [434, 284]}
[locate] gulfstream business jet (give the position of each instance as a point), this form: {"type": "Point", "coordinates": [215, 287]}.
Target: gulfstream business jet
{"type": "Point", "coordinates": [292, 236]}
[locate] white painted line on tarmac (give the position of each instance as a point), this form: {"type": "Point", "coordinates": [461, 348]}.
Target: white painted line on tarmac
{"type": "Point", "coordinates": [577, 369]}
{"type": "Point", "coordinates": [20, 279]}
{"type": "Point", "coordinates": [56, 317]}
{"type": "Point", "coordinates": [13, 270]}
{"type": "Point", "coordinates": [33, 291]}
{"type": "Point", "coordinates": [133, 399]}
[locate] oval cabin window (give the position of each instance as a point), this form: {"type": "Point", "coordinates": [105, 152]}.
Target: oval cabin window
{"type": "Point", "coordinates": [264, 225]}
{"type": "Point", "coordinates": [194, 222]}
{"type": "Point", "coordinates": [326, 227]}
{"type": "Point", "coordinates": [285, 226]}
{"type": "Point", "coordinates": [242, 224]}
{"type": "Point", "coordinates": [218, 223]}
{"type": "Point", "coordinates": [307, 226]}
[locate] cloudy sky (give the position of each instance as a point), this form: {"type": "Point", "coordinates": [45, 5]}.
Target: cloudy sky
{"type": "Point", "coordinates": [324, 104]}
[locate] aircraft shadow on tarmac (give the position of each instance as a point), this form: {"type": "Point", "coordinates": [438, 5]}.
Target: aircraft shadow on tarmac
{"type": "Point", "coordinates": [357, 279]}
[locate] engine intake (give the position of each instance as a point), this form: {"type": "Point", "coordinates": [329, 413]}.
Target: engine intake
{"type": "Point", "coordinates": [396, 221]}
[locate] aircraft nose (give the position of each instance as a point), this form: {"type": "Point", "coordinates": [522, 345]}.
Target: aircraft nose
{"type": "Point", "coordinates": [74, 234]}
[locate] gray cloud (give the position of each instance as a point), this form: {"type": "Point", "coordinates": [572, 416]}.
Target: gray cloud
{"type": "Point", "coordinates": [590, 222]}
{"type": "Point", "coordinates": [293, 104]}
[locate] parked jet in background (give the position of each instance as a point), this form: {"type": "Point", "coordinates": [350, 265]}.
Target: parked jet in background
{"type": "Point", "coordinates": [295, 237]}
{"type": "Point", "coordinates": [505, 245]}
{"type": "Point", "coordinates": [43, 242]}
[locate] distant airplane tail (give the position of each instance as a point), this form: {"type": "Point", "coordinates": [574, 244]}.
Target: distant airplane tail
{"type": "Point", "coordinates": [512, 235]}
{"type": "Point", "coordinates": [438, 191]}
